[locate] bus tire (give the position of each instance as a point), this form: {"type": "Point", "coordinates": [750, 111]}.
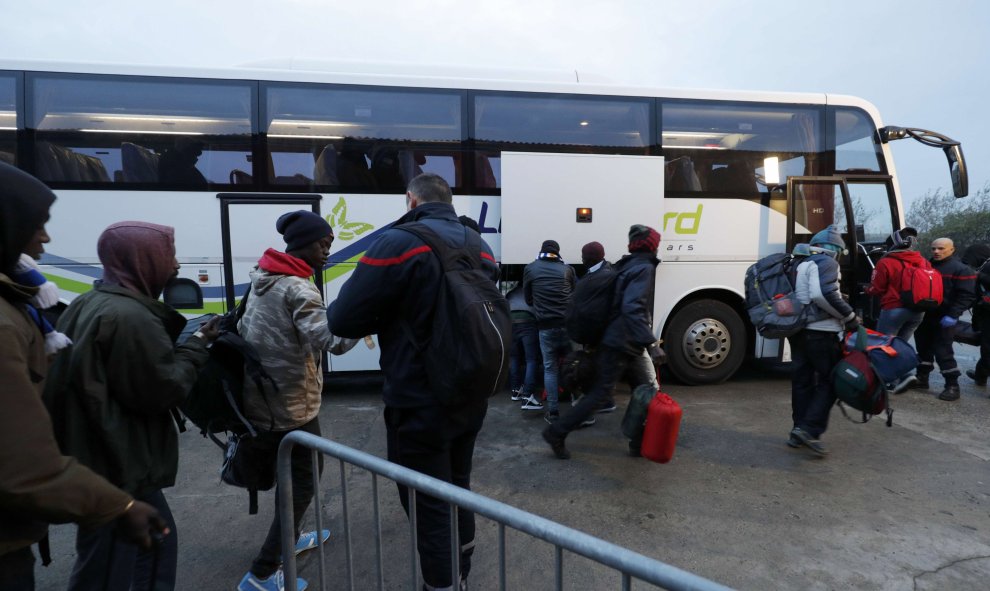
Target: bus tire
{"type": "Point", "coordinates": [705, 342]}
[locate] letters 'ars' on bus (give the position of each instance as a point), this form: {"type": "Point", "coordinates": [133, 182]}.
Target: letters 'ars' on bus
{"type": "Point", "coordinates": [541, 193]}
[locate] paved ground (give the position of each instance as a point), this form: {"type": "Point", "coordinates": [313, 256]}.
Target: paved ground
{"type": "Point", "coordinates": [900, 508]}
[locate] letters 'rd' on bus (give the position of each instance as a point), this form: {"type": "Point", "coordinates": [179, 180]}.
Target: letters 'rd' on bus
{"type": "Point", "coordinates": [728, 177]}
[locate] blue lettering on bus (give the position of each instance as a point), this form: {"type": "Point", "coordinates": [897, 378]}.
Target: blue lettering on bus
{"type": "Point", "coordinates": [483, 218]}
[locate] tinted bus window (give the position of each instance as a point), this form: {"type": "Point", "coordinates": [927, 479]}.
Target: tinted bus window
{"type": "Point", "coordinates": [857, 144]}
{"type": "Point", "coordinates": [361, 139]}
{"type": "Point", "coordinates": [8, 119]}
{"type": "Point", "coordinates": [738, 149]}
{"type": "Point", "coordinates": [540, 122]}
{"type": "Point", "coordinates": [168, 133]}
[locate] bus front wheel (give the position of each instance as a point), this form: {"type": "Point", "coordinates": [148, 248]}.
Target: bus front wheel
{"type": "Point", "coordinates": [705, 342]}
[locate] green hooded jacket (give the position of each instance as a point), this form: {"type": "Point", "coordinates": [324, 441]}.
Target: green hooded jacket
{"type": "Point", "coordinates": [111, 393]}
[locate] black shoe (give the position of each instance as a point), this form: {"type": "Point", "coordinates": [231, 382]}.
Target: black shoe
{"type": "Point", "coordinates": [793, 441]}
{"type": "Point", "coordinates": [950, 393]}
{"type": "Point", "coordinates": [551, 417]}
{"type": "Point", "coordinates": [587, 422]}
{"type": "Point", "coordinates": [607, 406]}
{"type": "Point", "coordinates": [921, 382]}
{"type": "Point", "coordinates": [815, 445]}
{"type": "Point", "coordinates": [556, 444]}
{"type": "Point", "coordinates": [906, 384]}
{"type": "Point", "coordinates": [981, 380]}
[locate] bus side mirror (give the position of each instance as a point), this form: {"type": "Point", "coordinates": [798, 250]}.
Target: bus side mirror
{"type": "Point", "coordinates": [183, 294]}
{"type": "Point", "coordinates": [957, 168]}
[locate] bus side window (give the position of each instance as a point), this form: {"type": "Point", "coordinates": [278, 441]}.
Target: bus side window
{"type": "Point", "coordinates": [59, 164]}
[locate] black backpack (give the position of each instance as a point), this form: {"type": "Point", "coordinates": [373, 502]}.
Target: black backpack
{"type": "Point", "coordinates": [467, 354]}
{"type": "Point", "coordinates": [592, 306]}
{"type": "Point", "coordinates": [216, 405]}
{"type": "Point", "coordinates": [770, 300]}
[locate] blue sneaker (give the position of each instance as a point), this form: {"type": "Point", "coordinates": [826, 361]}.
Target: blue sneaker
{"type": "Point", "coordinates": [276, 582]}
{"type": "Point", "coordinates": [307, 541]}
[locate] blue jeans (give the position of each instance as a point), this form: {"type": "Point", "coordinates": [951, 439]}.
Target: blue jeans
{"type": "Point", "coordinates": [525, 358]}
{"type": "Point", "coordinates": [554, 344]}
{"type": "Point", "coordinates": [899, 322]}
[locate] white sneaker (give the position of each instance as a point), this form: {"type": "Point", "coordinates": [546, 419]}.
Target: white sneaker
{"type": "Point", "coordinates": [531, 403]}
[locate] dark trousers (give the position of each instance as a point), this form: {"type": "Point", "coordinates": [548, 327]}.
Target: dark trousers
{"type": "Point", "coordinates": [269, 558]}
{"type": "Point", "coordinates": [437, 441]}
{"type": "Point", "coordinates": [935, 345]}
{"type": "Point", "coordinates": [610, 365]}
{"type": "Point", "coordinates": [981, 322]}
{"type": "Point", "coordinates": [524, 362]}
{"type": "Point", "coordinates": [813, 355]}
{"type": "Point", "coordinates": [106, 563]}
{"type": "Point", "coordinates": [17, 570]}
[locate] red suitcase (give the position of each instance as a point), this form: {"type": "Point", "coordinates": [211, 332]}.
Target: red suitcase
{"type": "Point", "coordinates": [663, 421]}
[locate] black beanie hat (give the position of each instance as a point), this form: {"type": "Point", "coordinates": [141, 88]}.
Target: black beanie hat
{"type": "Point", "coordinates": [550, 246]}
{"type": "Point", "coordinates": [301, 228]}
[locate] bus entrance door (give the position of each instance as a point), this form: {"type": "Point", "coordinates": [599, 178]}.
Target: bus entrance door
{"type": "Point", "coordinates": [813, 204]}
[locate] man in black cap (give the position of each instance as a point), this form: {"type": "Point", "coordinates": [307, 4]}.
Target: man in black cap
{"type": "Point", "coordinates": [547, 285]}
{"type": "Point", "coordinates": [627, 335]}
{"type": "Point", "coordinates": [284, 319]}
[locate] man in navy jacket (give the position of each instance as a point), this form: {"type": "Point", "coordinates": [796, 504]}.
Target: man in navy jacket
{"type": "Point", "coordinates": [626, 336]}
{"type": "Point", "coordinates": [392, 293]}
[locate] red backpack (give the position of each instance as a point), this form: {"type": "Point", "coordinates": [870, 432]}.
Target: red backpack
{"type": "Point", "coordinates": [921, 287]}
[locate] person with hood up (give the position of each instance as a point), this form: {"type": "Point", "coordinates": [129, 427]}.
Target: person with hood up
{"type": "Point", "coordinates": [977, 256]}
{"type": "Point", "coordinates": [888, 281]}
{"type": "Point", "coordinates": [816, 348]}
{"type": "Point", "coordinates": [627, 335]}
{"type": "Point", "coordinates": [935, 337]}
{"type": "Point", "coordinates": [112, 395]}
{"type": "Point", "coordinates": [39, 485]}
{"type": "Point", "coordinates": [284, 319]}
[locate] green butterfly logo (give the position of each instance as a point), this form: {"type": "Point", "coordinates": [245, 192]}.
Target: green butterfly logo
{"type": "Point", "coordinates": [343, 229]}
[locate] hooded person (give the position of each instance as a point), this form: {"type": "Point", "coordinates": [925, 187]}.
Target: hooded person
{"type": "Point", "coordinates": [888, 281]}
{"type": "Point", "coordinates": [628, 334]}
{"type": "Point", "coordinates": [815, 349]}
{"type": "Point", "coordinates": [593, 257]}
{"type": "Point", "coordinates": [39, 485]}
{"type": "Point", "coordinates": [285, 320]}
{"type": "Point", "coordinates": [112, 395]}
{"type": "Point", "coordinates": [977, 256]}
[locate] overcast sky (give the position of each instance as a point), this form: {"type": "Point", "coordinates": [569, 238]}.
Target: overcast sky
{"type": "Point", "coordinates": [922, 63]}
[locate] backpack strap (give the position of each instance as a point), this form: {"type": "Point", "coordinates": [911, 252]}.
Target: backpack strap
{"type": "Point", "coordinates": [446, 255]}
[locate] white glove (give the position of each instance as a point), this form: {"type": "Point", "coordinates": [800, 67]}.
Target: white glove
{"type": "Point", "coordinates": [55, 342]}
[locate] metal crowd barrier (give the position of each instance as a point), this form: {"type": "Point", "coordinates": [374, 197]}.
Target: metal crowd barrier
{"type": "Point", "coordinates": [630, 564]}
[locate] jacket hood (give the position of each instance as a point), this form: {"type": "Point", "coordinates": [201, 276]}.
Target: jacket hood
{"type": "Point", "coordinates": [976, 254]}
{"type": "Point", "coordinates": [138, 256]}
{"type": "Point", "coordinates": [24, 203]}
{"type": "Point", "coordinates": [909, 257]}
{"type": "Point", "coordinates": [281, 263]}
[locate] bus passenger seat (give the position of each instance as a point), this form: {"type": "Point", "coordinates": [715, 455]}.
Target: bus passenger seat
{"type": "Point", "coordinates": [140, 164]}
{"type": "Point", "coordinates": [325, 170]}
{"type": "Point", "coordinates": [736, 177]}
{"type": "Point", "coordinates": [680, 175]}
{"type": "Point", "coordinates": [409, 164]}
{"type": "Point", "coordinates": [57, 164]}
{"type": "Point", "coordinates": [484, 175]}
{"type": "Point", "coordinates": [239, 177]}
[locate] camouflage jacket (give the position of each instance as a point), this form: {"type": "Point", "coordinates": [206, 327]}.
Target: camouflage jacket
{"type": "Point", "coordinates": [286, 322]}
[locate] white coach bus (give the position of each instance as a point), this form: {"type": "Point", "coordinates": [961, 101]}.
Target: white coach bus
{"type": "Point", "coordinates": [727, 177]}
